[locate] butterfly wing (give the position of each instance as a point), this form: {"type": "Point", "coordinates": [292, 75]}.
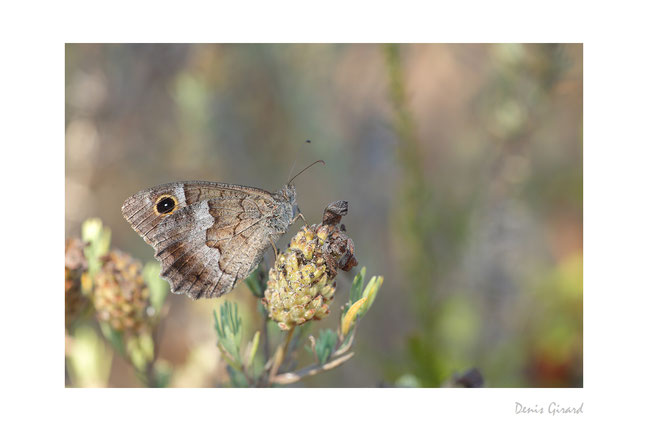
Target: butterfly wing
{"type": "Point", "coordinates": [207, 236]}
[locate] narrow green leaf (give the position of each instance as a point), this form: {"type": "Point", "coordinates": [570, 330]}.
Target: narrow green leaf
{"type": "Point", "coordinates": [254, 345]}
{"type": "Point", "coordinates": [237, 378]}
{"type": "Point", "coordinates": [135, 353]}
{"type": "Point", "coordinates": [356, 287]}
{"type": "Point", "coordinates": [355, 292]}
{"type": "Point", "coordinates": [324, 345]}
{"type": "Point", "coordinates": [163, 373]}
{"type": "Point", "coordinates": [228, 328]}
{"type": "Point", "coordinates": [370, 293]}
{"type": "Point", "coordinates": [254, 284]}
{"type": "Point", "coordinates": [217, 325]}
{"type": "Point", "coordinates": [147, 346]}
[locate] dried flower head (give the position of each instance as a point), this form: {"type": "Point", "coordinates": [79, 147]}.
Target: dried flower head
{"type": "Point", "coordinates": [120, 295]}
{"type": "Point", "coordinates": [301, 284]}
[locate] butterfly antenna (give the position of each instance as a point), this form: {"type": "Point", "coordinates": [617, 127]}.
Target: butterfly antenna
{"type": "Point", "coordinates": [300, 172]}
{"type": "Point", "coordinates": [292, 168]}
{"type": "Point", "coordinates": [307, 141]}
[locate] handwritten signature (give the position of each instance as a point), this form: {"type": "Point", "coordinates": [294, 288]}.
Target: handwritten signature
{"type": "Point", "coordinates": [552, 408]}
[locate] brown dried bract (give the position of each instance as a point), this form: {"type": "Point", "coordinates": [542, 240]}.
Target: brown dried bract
{"type": "Point", "coordinates": [75, 266]}
{"type": "Point", "coordinates": [74, 257]}
{"type": "Point", "coordinates": [334, 212]}
{"type": "Point", "coordinates": [338, 249]}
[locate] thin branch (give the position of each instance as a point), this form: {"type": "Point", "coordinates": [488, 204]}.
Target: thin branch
{"type": "Point", "coordinates": [227, 357]}
{"type": "Point", "coordinates": [346, 346]}
{"type": "Point", "coordinates": [280, 355]}
{"type": "Point", "coordinates": [287, 378]}
{"type": "Point", "coordinates": [312, 346]}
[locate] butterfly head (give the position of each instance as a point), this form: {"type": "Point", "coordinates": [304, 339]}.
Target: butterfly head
{"type": "Point", "coordinates": [289, 194]}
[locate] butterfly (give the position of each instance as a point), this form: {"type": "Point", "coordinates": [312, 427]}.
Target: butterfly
{"type": "Point", "coordinates": [210, 235]}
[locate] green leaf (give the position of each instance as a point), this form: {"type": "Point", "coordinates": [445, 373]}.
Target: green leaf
{"type": "Point", "coordinates": [356, 289]}
{"type": "Point", "coordinates": [147, 346]}
{"type": "Point", "coordinates": [254, 345]}
{"type": "Point", "coordinates": [158, 287]}
{"type": "Point", "coordinates": [370, 293]}
{"type": "Point", "coordinates": [254, 284]}
{"type": "Point", "coordinates": [346, 339]}
{"type": "Point", "coordinates": [163, 373]}
{"type": "Point", "coordinates": [324, 345]}
{"type": "Point", "coordinates": [237, 378]}
{"type": "Point", "coordinates": [228, 328]}
{"type": "Point", "coordinates": [135, 353]}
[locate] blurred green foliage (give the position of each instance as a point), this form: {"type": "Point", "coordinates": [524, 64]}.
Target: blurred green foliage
{"type": "Point", "coordinates": [90, 358]}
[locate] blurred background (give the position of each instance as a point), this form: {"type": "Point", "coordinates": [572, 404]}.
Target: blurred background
{"type": "Point", "coordinates": [462, 165]}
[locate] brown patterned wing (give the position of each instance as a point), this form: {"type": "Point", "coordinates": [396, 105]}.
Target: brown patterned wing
{"type": "Point", "coordinates": [207, 236]}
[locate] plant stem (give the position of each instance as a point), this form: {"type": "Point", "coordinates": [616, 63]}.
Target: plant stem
{"type": "Point", "coordinates": [293, 377]}
{"type": "Point", "coordinates": [265, 338]}
{"type": "Point", "coordinates": [280, 355]}
{"type": "Point", "coordinates": [151, 378]}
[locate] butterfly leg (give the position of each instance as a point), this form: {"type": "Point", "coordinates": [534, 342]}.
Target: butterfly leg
{"type": "Point", "coordinates": [301, 216]}
{"type": "Point", "coordinates": [275, 249]}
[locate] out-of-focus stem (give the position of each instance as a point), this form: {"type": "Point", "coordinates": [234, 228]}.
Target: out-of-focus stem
{"type": "Point", "coordinates": [412, 210]}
